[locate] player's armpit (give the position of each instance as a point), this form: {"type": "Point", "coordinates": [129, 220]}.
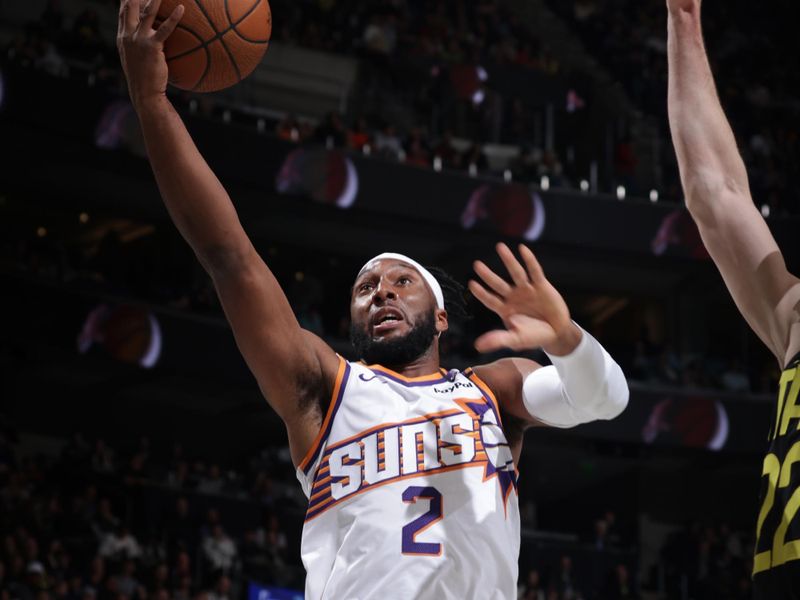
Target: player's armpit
{"type": "Point", "coordinates": [753, 268]}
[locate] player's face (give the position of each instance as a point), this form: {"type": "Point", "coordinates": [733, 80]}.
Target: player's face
{"type": "Point", "coordinates": [392, 314]}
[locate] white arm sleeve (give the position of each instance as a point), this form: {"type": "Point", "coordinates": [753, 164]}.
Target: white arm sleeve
{"type": "Point", "coordinates": [586, 385]}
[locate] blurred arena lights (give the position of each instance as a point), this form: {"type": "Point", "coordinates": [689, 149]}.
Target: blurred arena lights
{"type": "Point", "coordinates": [653, 195]}
{"type": "Point", "coordinates": [41, 232]}
{"type": "Point", "coordinates": [584, 185]}
{"type": "Point", "coordinates": [765, 210]}
{"type": "Point", "coordinates": [366, 149]}
{"type": "Point", "coordinates": [544, 183]}
{"type": "Point", "coordinates": [473, 170]}
{"type": "Point", "coordinates": [437, 163]}
{"type": "Point", "coordinates": [83, 218]}
{"type": "Point", "coordinates": [621, 192]}
{"type": "Point", "coordinates": [507, 175]}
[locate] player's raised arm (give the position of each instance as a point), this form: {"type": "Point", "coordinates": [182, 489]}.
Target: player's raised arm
{"type": "Point", "coordinates": [718, 193]}
{"type": "Point", "coordinates": [583, 384]}
{"type": "Point", "coordinates": [294, 368]}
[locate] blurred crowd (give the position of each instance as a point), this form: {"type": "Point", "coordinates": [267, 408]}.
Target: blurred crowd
{"type": "Point", "coordinates": [441, 56]}
{"type": "Point", "coordinates": [128, 521]}
{"type": "Point", "coordinates": [131, 260]}
{"type": "Point", "coordinates": [662, 365]}
{"type": "Point", "coordinates": [707, 562]}
{"type": "Point", "coordinates": [102, 522]}
{"type": "Point", "coordinates": [429, 77]}
{"type": "Point", "coordinates": [436, 90]}
{"type": "Point", "coordinates": [754, 63]}
{"type": "Point", "coordinates": [419, 148]}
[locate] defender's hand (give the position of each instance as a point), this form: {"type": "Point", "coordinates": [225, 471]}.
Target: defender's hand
{"type": "Point", "coordinates": [141, 47]}
{"type": "Point", "coordinates": [534, 313]}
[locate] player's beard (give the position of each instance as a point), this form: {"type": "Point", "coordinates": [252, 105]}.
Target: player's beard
{"type": "Point", "coordinates": [395, 351]}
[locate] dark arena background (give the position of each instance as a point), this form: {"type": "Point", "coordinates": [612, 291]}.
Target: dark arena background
{"type": "Point", "coordinates": [138, 460]}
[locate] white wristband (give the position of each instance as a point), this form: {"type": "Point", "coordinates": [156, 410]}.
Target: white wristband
{"type": "Point", "coordinates": [585, 385]}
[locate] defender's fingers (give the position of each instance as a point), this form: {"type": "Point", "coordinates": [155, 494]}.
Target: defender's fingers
{"type": "Point", "coordinates": [132, 15]}
{"type": "Point", "coordinates": [169, 25]}
{"type": "Point", "coordinates": [515, 269]}
{"type": "Point", "coordinates": [126, 23]}
{"type": "Point", "coordinates": [531, 262]}
{"type": "Point", "coordinates": [491, 279]}
{"type": "Point", "coordinates": [485, 297]}
{"type": "Point", "coordinates": [149, 14]}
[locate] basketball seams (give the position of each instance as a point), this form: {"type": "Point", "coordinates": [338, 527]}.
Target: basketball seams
{"type": "Point", "coordinates": [221, 40]}
{"type": "Point", "coordinates": [195, 49]}
{"type": "Point", "coordinates": [219, 34]}
{"type": "Point", "coordinates": [190, 50]}
{"type": "Point", "coordinates": [207, 69]}
{"type": "Point", "coordinates": [249, 12]}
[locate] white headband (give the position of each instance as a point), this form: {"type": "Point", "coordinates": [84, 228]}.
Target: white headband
{"type": "Point", "coordinates": [426, 275]}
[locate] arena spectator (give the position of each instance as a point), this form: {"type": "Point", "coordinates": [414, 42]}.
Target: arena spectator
{"type": "Point", "coordinates": [221, 589]}
{"type": "Point", "coordinates": [219, 549]}
{"type": "Point", "coordinates": [127, 583]}
{"type": "Point", "coordinates": [120, 544]}
{"type": "Point", "coordinates": [531, 587]}
{"type": "Point", "coordinates": [182, 528]}
{"type": "Point", "coordinates": [359, 135]}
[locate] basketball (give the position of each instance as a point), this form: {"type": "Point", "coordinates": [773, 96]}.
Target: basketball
{"type": "Point", "coordinates": [217, 42]}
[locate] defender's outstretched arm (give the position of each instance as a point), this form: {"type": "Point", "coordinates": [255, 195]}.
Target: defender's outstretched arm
{"type": "Point", "coordinates": [717, 191]}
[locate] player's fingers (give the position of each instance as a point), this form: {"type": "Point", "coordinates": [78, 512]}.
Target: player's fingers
{"type": "Point", "coordinates": [517, 272]}
{"type": "Point", "coordinates": [485, 297]}
{"type": "Point", "coordinates": [149, 14]}
{"type": "Point", "coordinates": [169, 25]}
{"type": "Point", "coordinates": [531, 263]}
{"type": "Point", "coordinates": [121, 19]}
{"type": "Point", "coordinates": [496, 340]}
{"type": "Point", "coordinates": [491, 279]}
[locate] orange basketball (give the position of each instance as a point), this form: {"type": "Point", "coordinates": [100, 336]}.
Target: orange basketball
{"type": "Point", "coordinates": [217, 42]}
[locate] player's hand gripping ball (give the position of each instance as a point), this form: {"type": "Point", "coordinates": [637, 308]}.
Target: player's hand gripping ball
{"type": "Point", "coordinates": [217, 43]}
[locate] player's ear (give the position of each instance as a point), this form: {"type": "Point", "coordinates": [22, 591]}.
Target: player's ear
{"type": "Point", "coordinates": [442, 324]}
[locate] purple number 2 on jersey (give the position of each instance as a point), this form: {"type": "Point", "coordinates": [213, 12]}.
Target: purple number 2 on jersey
{"type": "Point", "coordinates": [418, 525]}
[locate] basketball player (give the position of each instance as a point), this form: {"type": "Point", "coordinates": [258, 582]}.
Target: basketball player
{"type": "Point", "coordinates": [409, 469]}
{"type": "Point", "coordinates": [718, 197]}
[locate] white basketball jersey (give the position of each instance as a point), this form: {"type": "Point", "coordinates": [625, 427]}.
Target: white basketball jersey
{"type": "Point", "coordinates": [412, 491]}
